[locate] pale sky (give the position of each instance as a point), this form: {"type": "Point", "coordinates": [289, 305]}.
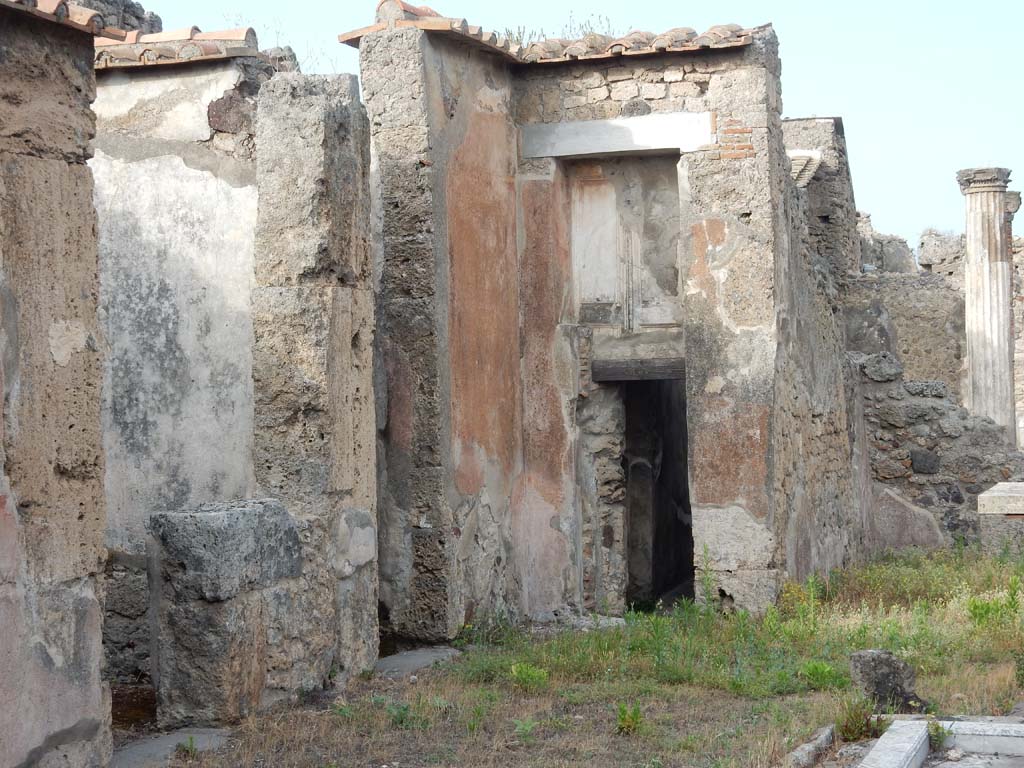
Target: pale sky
{"type": "Point", "coordinates": [924, 88]}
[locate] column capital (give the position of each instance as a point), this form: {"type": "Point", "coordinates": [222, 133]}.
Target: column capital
{"type": "Point", "coordinates": [983, 180]}
{"type": "Point", "coordinates": [1012, 204]}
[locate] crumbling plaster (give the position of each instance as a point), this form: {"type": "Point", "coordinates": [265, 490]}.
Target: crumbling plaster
{"type": "Point", "coordinates": [176, 202]}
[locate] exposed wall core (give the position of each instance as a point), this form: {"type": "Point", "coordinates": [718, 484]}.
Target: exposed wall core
{"type": "Point", "coordinates": [54, 704]}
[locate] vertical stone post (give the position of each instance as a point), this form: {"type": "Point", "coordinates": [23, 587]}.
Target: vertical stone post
{"type": "Point", "coordinates": [988, 284]}
{"type": "Point", "coordinates": [313, 322]}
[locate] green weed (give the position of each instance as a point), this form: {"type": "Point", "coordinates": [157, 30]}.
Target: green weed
{"type": "Point", "coordinates": [524, 729]}
{"type": "Point", "coordinates": [821, 676]}
{"type": "Point", "coordinates": [937, 734]}
{"type": "Point", "coordinates": [628, 719]}
{"type": "Point", "coordinates": [528, 677]}
{"type": "Point", "coordinates": [187, 749]}
{"type": "Point", "coordinates": [856, 719]}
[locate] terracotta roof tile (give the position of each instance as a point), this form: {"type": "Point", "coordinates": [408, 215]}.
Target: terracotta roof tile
{"type": "Point", "coordinates": [804, 163]}
{"type": "Point", "coordinates": [392, 10]}
{"type": "Point", "coordinates": [118, 48]}
{"type": "Point", "coordinates": [60, 12]}
{"type": "Point", "coordinates": [592, 47]}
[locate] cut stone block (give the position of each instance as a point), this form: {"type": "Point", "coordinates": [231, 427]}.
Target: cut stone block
{"type": "Point", "coordinates": [903, 745]}
{"type": "Point", "coordinates": [210, 569]}
{"type": "Point", "coordinates": [1001, 518]}
{"type": "Point", "coordinates": [219, 550]}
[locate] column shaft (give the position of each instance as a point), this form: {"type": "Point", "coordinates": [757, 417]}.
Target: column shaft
{"type": "Point", "coordinates": [988, 284]}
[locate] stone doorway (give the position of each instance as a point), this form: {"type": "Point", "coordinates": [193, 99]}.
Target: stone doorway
{"type": "Point", "coordinates": [659, 528]}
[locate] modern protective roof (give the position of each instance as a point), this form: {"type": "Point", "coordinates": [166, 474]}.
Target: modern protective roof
{"type": "Point", "coordinates": [554, 50]}
{"type": "Point", "coordinates": [118, 48]}
{"type": "Point", "coordinates": [60, 12]}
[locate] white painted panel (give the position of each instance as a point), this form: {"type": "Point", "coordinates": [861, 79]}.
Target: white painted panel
{"type": "Point", "coordinates": [595, 231]}
{"type": "Point", "coordinates": [675, 132]}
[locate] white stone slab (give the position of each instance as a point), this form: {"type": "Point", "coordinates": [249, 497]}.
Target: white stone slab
{"type": "Point", "coordinates": [674, 132]}
{"type": "Point", "coordinates": [1004, 739]}
{"type": "Point", "coordinates": [903, 745]}
{"type": "Point", "coordinates": [1002, 499]}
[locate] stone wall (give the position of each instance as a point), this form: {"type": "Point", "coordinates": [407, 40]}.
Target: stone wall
{"type": "Point", "coordinates": [831, 211]}
{"type": "Point", "coordinates": [56, 708]}
{"type": "Point", "coordinates": [821, 520]}
{"type": "Point", "coordinates": [124, 14]}
{"type": "Point", "coordinates": [176, 201]}
{"type": "Point", "coordinates": [449, 328]}
{"type": "Point", "coordinates": [929, 457]}
{"type": "Point", "coordinates": [254, 601]}
{"type": "Point", "coordinates": [730, 239]}
{"type": "Point", "coordinates": [883, 253]}
{"type": "Point", "coordinates": [918, 318]}
{"type": "Point", "coordinates": [313, 319]}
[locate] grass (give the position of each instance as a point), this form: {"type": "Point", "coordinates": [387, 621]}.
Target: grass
{"type": "Point", "coordinates": [690, 687]}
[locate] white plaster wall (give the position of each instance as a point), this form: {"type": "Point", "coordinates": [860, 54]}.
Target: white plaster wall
{"type": "Point", "coordinates": [176, 273]}
{"type": "Point", "coordinates": [168, 103]}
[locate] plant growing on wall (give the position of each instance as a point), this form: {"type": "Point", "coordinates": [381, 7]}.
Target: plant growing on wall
{"type": "Point", "coordinates": [573, 29]}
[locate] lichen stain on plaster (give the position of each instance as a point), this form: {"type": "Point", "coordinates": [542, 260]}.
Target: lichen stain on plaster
{"type": "Point", "coordinates": [484, 321]}
{"type": "Point", "coordinates": [732, 446]}
{"type": "Point", "coordinates": [66, 338]}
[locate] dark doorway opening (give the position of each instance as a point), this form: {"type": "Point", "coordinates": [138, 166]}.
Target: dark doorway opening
{"type": "Point", "coordinates": [659, 528]}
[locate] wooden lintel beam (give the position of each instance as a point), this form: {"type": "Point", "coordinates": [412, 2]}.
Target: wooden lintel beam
{"type": "Point", "coordinates": [644, 369]}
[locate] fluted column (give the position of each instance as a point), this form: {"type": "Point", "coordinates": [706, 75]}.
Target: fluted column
{"type": "Point", "coordinates": [988, 285]}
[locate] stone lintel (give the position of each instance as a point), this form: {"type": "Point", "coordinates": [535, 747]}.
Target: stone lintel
{"type": "Point", "coordinates": [660, 133]}
{"type": "Point", "coordinates": [973, 180]}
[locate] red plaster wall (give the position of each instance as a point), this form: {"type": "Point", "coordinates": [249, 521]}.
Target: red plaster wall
{"type": "Point", "coordinates": [543, 494]}
{"type": "Point", "coordinates": [483, 323]}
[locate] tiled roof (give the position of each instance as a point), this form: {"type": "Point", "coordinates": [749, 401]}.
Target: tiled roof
{"type": "Point", "coordinates": [118, 48]}
{"type": "Point", "coordinates": [399, 8]}
{"type": "Point", "coordinates": [593, 46]}
{"type": "Point", "coordinates": [61, 12]}
{"type": "Point", "coordinates": [804, 163]}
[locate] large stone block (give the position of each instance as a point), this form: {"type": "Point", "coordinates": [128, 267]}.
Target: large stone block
{"type": "Point", "coordinates": [314, 415]}
{"type": "Point", "coordinates": [1001, 518]}
{"type": "Point", "coordinates": [313, 157]}
{"type": "Point", "coordinates": [220, 550]}
{"type": "Point", "coordinates": [217, 574]}
{"type": "Point", "coordinates": [210, 659]}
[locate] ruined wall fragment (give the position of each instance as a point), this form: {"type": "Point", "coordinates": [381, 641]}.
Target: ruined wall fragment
{"type": "Point", "coordinates": [942, 253]}
{"type": "Point", "coordinates": [125, 14]}
{"type": "Point", "coordinates": [919, 318]}
{"type": "Point", "coordinates": [313, 318]}
{"type": "Point", "coordinates": [831, 211]}
{"type": "Point", "coordinates": [883, 253]}
{"type": "Point", "coordinates": [929, 457]}
{"type": "Point", "coordinates": [445, 147]}
{"type": "Point", "coordinates": [56, 708]}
